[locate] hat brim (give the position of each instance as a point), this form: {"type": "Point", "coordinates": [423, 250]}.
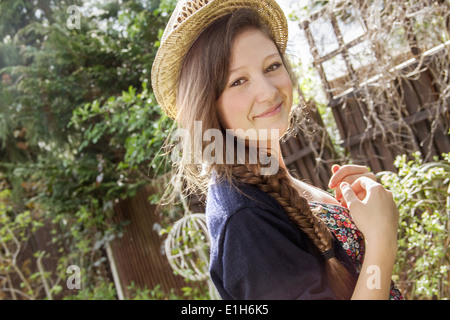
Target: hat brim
{"type": "Point", "coordinates": [170, 55]}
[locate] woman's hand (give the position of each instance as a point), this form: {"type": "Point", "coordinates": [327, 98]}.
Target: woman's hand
{"type": "Point", "coordinates": [349, 174]}
{"type": "Point", "coordinates": [376, 215]}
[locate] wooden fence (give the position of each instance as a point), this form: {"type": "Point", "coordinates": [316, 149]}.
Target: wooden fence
{"type": "Point", "coordinates": [411, 114]}
{"type": "Point", "coordinates": [310, 154]}
{"type": "Point", "coordinates": [138, 256]}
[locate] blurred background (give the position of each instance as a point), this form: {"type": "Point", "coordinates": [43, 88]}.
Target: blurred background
{"type": "Point", "coordinates": [82, 168]}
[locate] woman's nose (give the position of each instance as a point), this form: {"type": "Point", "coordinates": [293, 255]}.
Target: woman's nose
{"type": "Point", "coordinates": [266, 90]}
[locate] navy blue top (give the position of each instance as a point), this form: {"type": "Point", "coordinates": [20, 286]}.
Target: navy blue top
{"type": "Point", "coordinates": [258, 253]}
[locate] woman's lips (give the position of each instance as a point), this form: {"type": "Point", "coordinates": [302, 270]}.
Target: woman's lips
{"type": "Point", "coordinates": [271, 112]}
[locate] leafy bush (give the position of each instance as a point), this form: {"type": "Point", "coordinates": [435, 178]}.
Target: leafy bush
{"type": "Point", "coordinates": [197, 291]}
{"type": "Point", "coordinates": [101, 291]}
{"type": "Point", "coordinates": [422, 194]}
{"type": "Point", "coordinates": [16, 226]}
{"type": "Point", "coordinates": [78, 130]}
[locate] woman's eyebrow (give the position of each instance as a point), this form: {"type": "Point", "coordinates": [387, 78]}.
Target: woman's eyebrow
{"type": "Point", "coordinates": [270, 56]}
{"type": "Point", "coordinates": [273, 55]}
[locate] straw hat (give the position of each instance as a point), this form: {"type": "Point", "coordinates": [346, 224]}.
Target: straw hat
{"type": "Point", "coordinates": [189, 19]}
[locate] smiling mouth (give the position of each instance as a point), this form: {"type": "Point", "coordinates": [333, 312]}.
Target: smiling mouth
{"type": "Point", "coordinates": [270, 112]}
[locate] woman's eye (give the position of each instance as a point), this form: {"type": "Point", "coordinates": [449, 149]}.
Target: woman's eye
{"type": "Point", "coordinates": [273, 67]}
{"type": "Point", "coordinates": [237, 82]}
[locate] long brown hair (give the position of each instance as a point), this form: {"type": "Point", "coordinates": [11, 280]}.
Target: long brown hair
{"type": "Point", "coordinates": [200, 84]}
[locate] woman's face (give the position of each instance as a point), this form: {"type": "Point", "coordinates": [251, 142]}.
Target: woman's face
{"type": "Point", "coordinates": [258, 94]}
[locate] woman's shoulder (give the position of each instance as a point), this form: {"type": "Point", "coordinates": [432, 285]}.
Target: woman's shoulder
{"type": "Point", "coordinates": [226, 198]}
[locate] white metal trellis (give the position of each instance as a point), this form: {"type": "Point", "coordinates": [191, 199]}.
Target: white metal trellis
{"type": "Point", "coordinates": [184, 248]}
{"type": "Point", "coordinates": [187, 246]}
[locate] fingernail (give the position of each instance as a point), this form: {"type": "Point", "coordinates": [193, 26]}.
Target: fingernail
{"type": "Point", "coordinates": [344, 185]}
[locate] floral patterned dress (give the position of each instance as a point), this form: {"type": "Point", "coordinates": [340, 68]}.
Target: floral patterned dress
{"type": "Point", "coordinates": [340, 223]}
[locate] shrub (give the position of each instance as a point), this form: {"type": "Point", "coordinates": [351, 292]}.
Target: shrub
{"type": "Point", "coordinates": [422, 194]}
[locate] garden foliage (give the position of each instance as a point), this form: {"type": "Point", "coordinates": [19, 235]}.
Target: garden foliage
{"type": "Point", "coordinates": [79, 130]}
{"type": "Point", "coordinates": [422, 193]}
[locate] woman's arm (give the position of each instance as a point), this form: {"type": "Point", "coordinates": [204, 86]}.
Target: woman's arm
{"type": "Point", "coordinates": [376, 216]}
{"type": "Point", "coordinates": [374, 280]}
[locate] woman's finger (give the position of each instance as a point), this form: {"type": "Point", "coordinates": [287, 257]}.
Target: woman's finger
{"type": "Point", "coordinates": [350, 179]}
{"type": "Point", "coordinates": [365, 185]}
{"type": "Point", "coordinates": [360, 193]}
{"type": "Point", "coordinates": [349, 195]}
{"type": "Point", "coordinates": [334, 168]}
{"type": "Point", "coordinates": [348, 170]}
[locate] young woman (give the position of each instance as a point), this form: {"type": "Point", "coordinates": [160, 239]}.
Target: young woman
{"type": "Point", "coordinates": [221, 73]}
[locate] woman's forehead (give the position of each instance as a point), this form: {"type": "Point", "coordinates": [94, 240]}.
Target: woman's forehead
{"type": "Point", "coordinates": [251, 45]}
